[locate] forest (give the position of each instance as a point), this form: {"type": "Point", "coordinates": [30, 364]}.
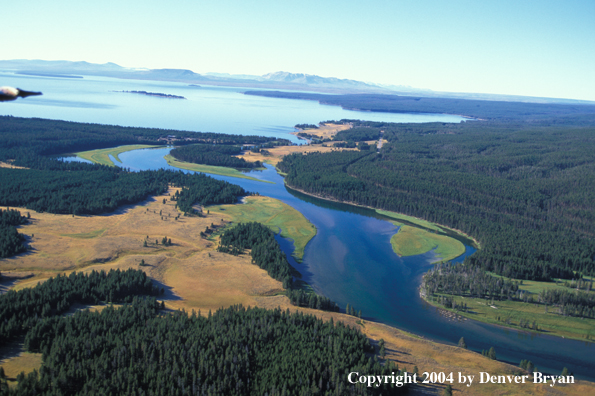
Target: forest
{"type": "Point", "coordinates": [524, 190]}
{"type": "Point", "coordinates": [23, 309]}
{"type": "Point", "coordinates": [30, 141]}
{"type": "Point", "coordinates": [267, 254]}
{"type": "Point", "coordinates": [140, 349]}
{"type": "Point", "coordinates": [216, 155]}
{"type": "Point", "coordinates": [483, 109]}
{"type": "Point", "coordinates": [359, 134]}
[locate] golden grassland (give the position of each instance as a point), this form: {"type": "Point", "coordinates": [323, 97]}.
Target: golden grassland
{"type": "Point", "coordinates": [326, 130]}
{"type": "Point", "coordinates": [273, 213]}
{"type": "Point", "coordinates": [197, 277]}
{"type": "Point", "coordinates": [191, 269]}
{"type": "Point", "coordinates": [102, 156]}
{"type": "Point", "coordinates": [215, 170]}
{"type": "Point", "coordinates": [9, 165]}
{"type": "Point", "coordinates": [276, 154]}
{"type": "Point", "coordinates": [16, 361]}
{"type": "Point", "coordinates": [411, 241]}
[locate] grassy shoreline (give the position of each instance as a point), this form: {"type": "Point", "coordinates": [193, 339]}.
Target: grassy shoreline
{"type": "Point", "coordinates": [275, 214]}
{"type": "Point", "coordinates": [412, 241]}
{"type": "Point", "coordinates": [102, 156]}
{"type": "Point", "coordinates": [215, 170]}
{"type": "Point", "coordinates": [508, 314]}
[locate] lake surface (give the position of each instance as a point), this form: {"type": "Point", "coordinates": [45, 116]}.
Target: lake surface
{"type": "Point", "coordinates": [206, 109]}
{"type": "Point", "coordinates": [350, 260]}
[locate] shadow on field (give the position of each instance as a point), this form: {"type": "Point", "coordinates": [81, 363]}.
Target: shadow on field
{"type": "Point", "coordinates": [168, 293]}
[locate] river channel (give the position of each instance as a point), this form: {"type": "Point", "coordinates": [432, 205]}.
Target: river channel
{"type": "Point", "coordinates": [350, 260]}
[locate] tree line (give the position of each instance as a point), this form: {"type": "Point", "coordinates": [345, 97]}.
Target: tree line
{"type": "Point", "coordinates": [267, 254]}
{"type": "Point", "coordinates": [484, 109]}
{"type": "Point", "coordinates": [215, 155]}
{"type": "Point", "coordinates": [526, 191]}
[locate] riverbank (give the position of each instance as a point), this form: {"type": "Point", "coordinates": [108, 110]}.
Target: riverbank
{"type": "Point", "coordinates": [273, 213]}
{"type": "Point", "coordinates": [510, 314]}
{"type": "Point", "coordinates": [393, 215]}
{"type": "Point", "coordinates": [102, 156]}
{"type": "Point", "coordinates": [215, 170]}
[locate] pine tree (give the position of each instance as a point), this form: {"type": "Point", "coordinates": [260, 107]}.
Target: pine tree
{"type": "Point", "coordinates": [462, 343]}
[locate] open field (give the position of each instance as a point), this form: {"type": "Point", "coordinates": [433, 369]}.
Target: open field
{"type": "Point", "coordinates": [216, 170]}
{"type": "Point", "coordinates": [16, 361]}
{"type": "Point", "coordinates": [277, 153]}
{"type": "Point", "coordinates": [326, 131]}
{"type": "Point", "coordinates": [102, 156]}
{"type": "Point", "coordinates": [411, 241]}
{"type": "Point", "coordinates": [273, 213]}
{"type": "Point", "coordinates": [191, 269]}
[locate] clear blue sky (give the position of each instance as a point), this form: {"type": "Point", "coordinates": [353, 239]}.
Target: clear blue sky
{"type": "Point", "coordinates": [535, 48]}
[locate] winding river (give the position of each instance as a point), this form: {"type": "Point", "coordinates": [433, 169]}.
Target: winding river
{"type": "Point", "coordinates": [350, 260]}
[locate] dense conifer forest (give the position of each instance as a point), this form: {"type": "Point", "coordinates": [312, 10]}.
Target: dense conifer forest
{"type": "Point", "coordinates": [358, 134]}
{"type": "Point", "coordinates": [25, 140]}
{"type": "Point", "coordinates": [216, 155]}
{"type": "Point", "coordinates": [139, 349]}
{"type": "Point", "coordinates": [267, 254]}
{"type": "Point", "coordinates": [524, 190]}
{"type": "Point", "coordinates": [21, 310]}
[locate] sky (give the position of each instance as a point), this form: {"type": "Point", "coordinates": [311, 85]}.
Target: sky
{"type": "Point", "coordinates": [533, 48]}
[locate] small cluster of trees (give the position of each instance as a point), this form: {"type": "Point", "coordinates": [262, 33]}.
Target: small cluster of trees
{"type": "Point", "coordinates": [491, 353]}
{"type": "Point", "coordinates": [11, 242]}
{"type": "Point", "coordinates": [527, 365]}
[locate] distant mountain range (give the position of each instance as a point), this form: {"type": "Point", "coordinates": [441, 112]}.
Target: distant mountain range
{"type": "Point", "coordinates": [276, 80]}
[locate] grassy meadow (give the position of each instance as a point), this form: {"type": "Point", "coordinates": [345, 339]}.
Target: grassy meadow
{"type": "Point", "coordinates": [102, 156]}
{"type": "Point", "coordinates": [215, 170]}
{"type": "Point", "coordinates": [273, 213]}
{"type": "Point", "coordinates": [411, 241]}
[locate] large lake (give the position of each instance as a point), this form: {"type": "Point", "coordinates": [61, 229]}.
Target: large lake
{"type": "Point", "coordinates": [350, 259]}
{"type": "Point", "coordinates": [206, 109]}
